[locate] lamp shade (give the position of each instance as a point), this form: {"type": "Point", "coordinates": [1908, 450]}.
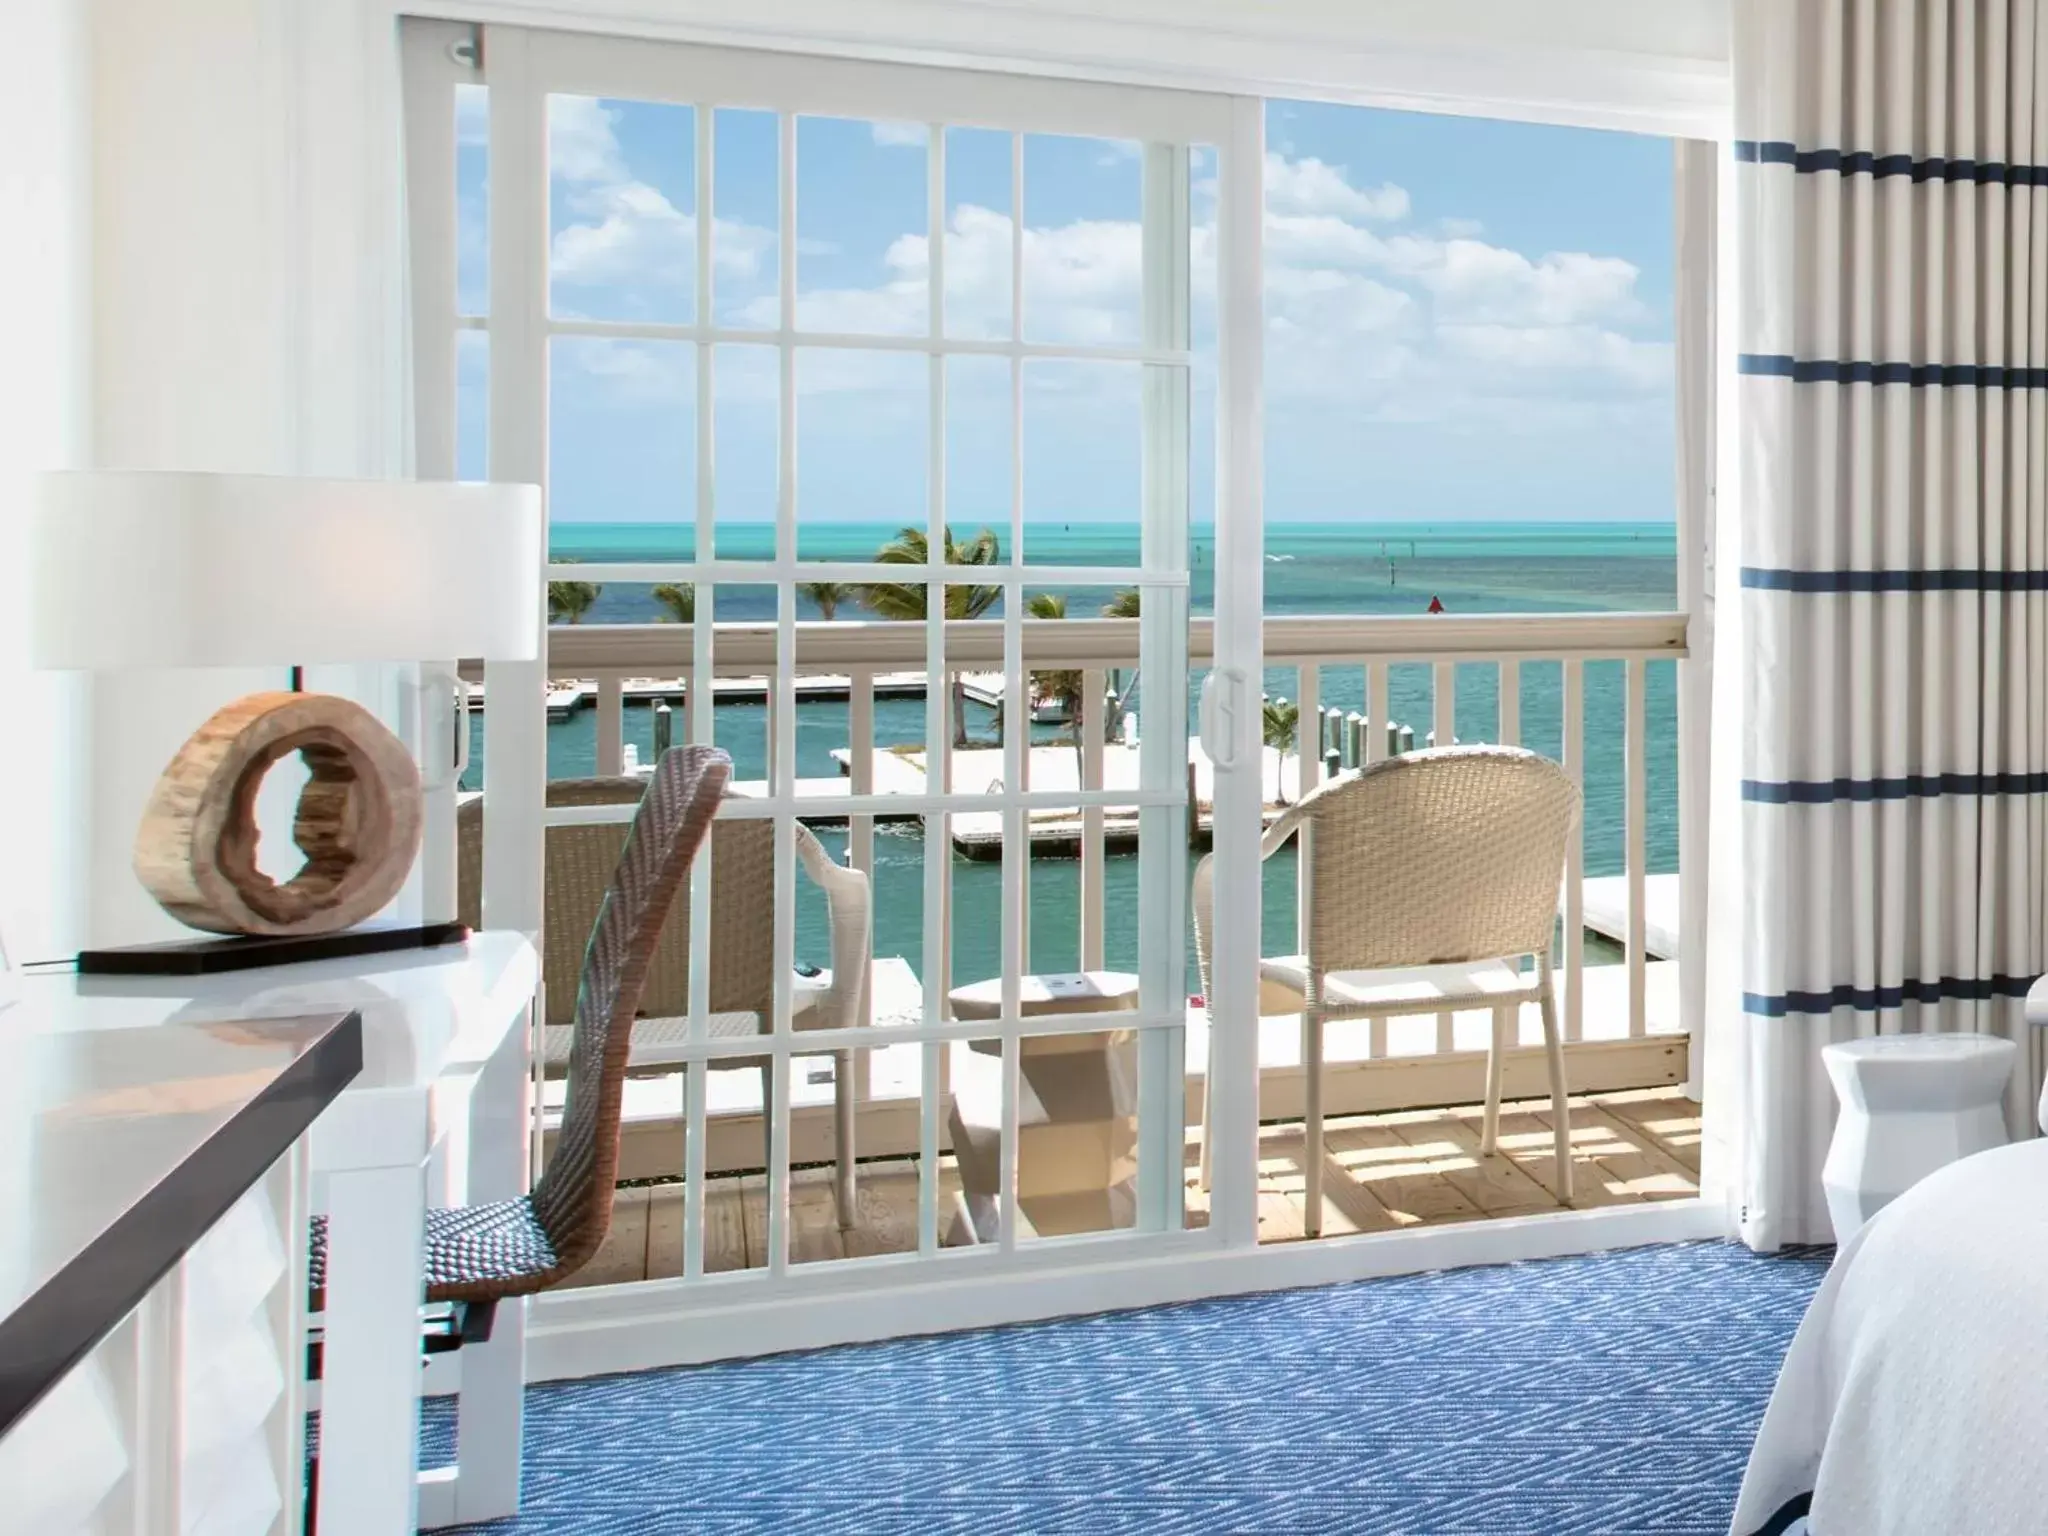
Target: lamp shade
{"type": "Point", "coordinates": [164, 569]}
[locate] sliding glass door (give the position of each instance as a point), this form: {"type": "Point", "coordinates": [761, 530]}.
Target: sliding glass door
{"type": "Point", "coordinates": [879, 411]}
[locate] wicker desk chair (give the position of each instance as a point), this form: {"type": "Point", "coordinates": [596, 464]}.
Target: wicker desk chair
{"type": "Point", "coordinates": [478, 1255]}
{"type": "Point", "coordinates": [1431, 878]}
{"type": "Point", "coordinates": [742, 983]}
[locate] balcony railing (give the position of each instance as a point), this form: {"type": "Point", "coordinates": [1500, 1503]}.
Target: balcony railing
{"type": "Point", "coordinates": [1621, 1020]}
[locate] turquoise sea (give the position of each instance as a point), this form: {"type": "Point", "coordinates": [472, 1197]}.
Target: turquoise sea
{"type": "Point", "coordinates": [1326, 568]}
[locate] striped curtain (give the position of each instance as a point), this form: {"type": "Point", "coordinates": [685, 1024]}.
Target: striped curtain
{"type": "Point", "coordinates": [1892, 220]}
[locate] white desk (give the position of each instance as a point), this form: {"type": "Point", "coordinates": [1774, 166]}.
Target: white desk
{"type": "Point", "coordinates": [152, 1287]}
{"type": "Point", "coordinates": [444, 1081]}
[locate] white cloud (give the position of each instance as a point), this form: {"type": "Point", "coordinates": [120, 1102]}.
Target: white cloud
{"type": "Point", "coordinates": [1476, 281]}
{"type": "Point", "coordinates": [1081, 283]}
{"type": "Point", "coordinates": [1370, 317]}
{"type": "Point", "coordinates": [626, 373]}
{"type": "Point", "coordinates": [900, 135]}
{"type": "Point", "coordinates": [582, 144]}
{"type": "Point", "coordinates": [629, 234]}
{"type": "Point", "coordinates": [1509, 350]}
{"type": "Point", "coordinates": [1312, 187]}
{"type": "Point", "coordinates": [626, 233]}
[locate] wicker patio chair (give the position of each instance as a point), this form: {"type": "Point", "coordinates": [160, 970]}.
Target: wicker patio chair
{"type": "Point", "coordinates": [742, 980]}
{"type": "Point", "coordinates": [478, 1255]}
{"type": "Point", "coordinates": [1431, 878]}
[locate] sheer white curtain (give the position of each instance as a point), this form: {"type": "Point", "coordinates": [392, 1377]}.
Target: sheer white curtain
{"type": "Point", "coordinates": [1890, 657]}
{"type": "Point", "coordinates": [247, 314]}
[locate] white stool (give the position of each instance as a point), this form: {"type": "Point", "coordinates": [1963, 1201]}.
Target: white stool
{"type": "Point", "coordinates": [1077, 1111]}
{"type": "Point", "coordinates": [1910, 1104]}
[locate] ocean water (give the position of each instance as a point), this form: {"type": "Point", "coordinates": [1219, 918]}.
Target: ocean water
{"type": "Point", "coordinates": [1323, 568]}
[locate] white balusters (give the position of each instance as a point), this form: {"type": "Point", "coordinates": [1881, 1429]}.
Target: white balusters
{"type": "Point", "coordinates": [1375, 677]}
{"type": "Point", "coordinates": [860, 842]}
{"type": "Point", "coordinates": [1444, 698]}
{"type": "Point", "coordinates": [1308, 734]}
{"type": "Point", "coordinates": [1094, 865]}
{"type": "Point", "coordinates": [1635, 799]}
{"type": "Point", "coordinates": [1379, 719]}
{"type": "Point", "coordinates": [1575, 856]}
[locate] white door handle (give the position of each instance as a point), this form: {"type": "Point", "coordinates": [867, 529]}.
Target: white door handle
{"type": "Point", "coordinates": [1222, 695]}
{"type": "Point", "coordinates": [461, 730]}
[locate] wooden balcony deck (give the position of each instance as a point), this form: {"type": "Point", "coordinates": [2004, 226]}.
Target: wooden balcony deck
{"type": "Point", "coordinates": [1416, 1167]}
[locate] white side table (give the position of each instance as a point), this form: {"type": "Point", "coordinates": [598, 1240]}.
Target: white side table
{"type": "Point", "coordinates": [2037, 1016]}
{"type": "Point", "coordinates": [1077, 1112]}
{"type": "Point", "coordinates": [1910, 1104]}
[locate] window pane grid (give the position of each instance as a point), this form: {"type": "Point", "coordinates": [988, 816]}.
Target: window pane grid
{"type": "Point", "coordinates": [1009, 574]}
{"type": "Point", "coordinates": [793, 335]}
{"type": "Point", "coordinates": [1161, 807]}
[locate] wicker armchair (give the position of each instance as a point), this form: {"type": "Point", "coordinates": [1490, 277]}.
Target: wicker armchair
{"type": "Point", "coordinates": [1432, 877]}
{"type": "Point", "coordinates": [742, 982]}
{"type": "Point", "coordinates": [480, 1254]}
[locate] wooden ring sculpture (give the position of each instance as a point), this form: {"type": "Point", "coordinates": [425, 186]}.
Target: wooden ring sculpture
{"type": "Point", "coordinates": [357, 820]}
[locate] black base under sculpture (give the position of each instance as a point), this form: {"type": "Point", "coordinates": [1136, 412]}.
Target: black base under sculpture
{"type": "Point", "coordinates": [205, 957]}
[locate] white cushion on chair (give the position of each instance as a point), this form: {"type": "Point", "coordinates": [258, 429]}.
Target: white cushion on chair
{"type": "Point", "coordinates": [660, 1042]}
{"type": "Point", "coordinates": [1283, 982]}
{"type": "Point", "coordinates": [657, 1043]}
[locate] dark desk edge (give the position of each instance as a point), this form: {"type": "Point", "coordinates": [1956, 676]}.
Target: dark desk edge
{"type": "Point", "coordinates": [80, 1305]}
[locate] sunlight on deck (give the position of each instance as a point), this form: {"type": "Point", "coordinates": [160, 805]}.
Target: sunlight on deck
{"type": "Point", "coordinates": [1382, 1173]}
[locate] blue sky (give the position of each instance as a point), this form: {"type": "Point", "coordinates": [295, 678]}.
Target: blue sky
{"type": "Point", "coordinates": [1466, 319]}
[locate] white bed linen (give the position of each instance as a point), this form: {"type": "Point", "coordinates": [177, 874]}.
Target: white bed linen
{"type": "Point", "coordinates": [1914, 1399]}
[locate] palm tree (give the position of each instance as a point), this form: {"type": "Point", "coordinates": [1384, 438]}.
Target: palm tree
{"type": "Point", "coordinates": [1067, 687]}
{"type": "Point", "coordinates": [678, 602]}
{"type": "Point", "coordinates": [1279, 721]}
{"type": "Point", "coordinates": [568, 601]}
{"type": "Point", "coordinates": [828, 595]}
{"type": "Point", "coordinates": [907, 599]}
{"type": "Point", "coordinates": [1122, 605]}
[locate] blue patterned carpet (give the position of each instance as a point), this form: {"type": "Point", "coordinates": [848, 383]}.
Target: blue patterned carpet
{"type": "Point", "coordinates": [1614, 1393]}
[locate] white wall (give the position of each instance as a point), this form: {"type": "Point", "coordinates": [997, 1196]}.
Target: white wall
{"type": "Point", "coordinates": [247, 305]}
{"type": "Point", "coordinates": [203, 263]}
{"type": "Point", "coordinates": [45, 170]}
{"type": "Point", "coordinates": [189, 349]}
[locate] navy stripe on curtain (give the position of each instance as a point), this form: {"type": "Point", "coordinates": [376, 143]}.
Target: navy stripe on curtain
{"type": "Point", "coordinates": [1882, 999]}
{"type": "Point", "coordinates": [1912, 375]}
{"type": "Point", "coordinates": [1891, 221]}
{"type": "Point", "coordinates": [1813, 583]}
{"type": "Point", "coordinates": [1912, 786]}
{"type": "Point", "coordinates": [1844, 162]}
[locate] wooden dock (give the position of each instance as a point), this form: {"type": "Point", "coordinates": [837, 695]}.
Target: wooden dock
{"type": "Point", "coordinates": [1056, 831]}
{"type": "Point", "coordinates": [569, 695]}
{"type": "Point", "coordinates": [1606, 912]}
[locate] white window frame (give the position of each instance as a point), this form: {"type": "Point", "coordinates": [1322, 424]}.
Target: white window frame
{"type": "Point", "coordinates": [709, 1317]}
{"type": "Point", "coordinates": [523, 69]}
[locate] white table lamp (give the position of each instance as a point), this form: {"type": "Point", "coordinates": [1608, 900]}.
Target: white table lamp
{"type": "Point", "coordinates": [147, 569]}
